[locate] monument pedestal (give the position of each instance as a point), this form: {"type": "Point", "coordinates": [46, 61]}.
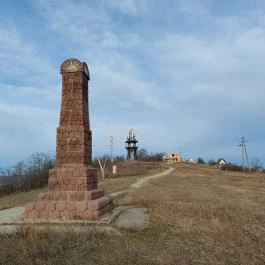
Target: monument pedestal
{"type": "Point", "coordinates": [72, 194]}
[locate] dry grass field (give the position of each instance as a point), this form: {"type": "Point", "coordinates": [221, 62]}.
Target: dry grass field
{"type": "Point", "coordinates": [127, 174]}
{"type": "Point", "coordinates": [199, 215]}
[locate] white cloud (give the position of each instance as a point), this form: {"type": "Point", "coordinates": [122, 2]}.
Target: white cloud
{"type": "Point", "coordinates": [187, 78]}
{"type": "Point", "coordinates": [80, 25]}
{"type": "Point", "coordinates": [25, 130]}
{"type": "Point", "coordinates": [230, 69]}
{"type": "Point", "coordinates": [21, 60]}
{"type": "Point", "coordinates": [193, 8]}
{"type": "Point", "coordinates": [27, 92]}
{"type": "Point", "coordinates": [125, 87]}
{"type": "Point", "coordinates": [129, 7]}
{"type": "Point", "coordinates": [25, 110]}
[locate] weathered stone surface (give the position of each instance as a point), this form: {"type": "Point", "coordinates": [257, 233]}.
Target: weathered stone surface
{"type": "Point", "coordinates": [83, 209]}
{"type": "Point", "coordinates": [134, 218]}
{"type": "Point", "coordinates": [69, 196]}
{"type": "Point", "coordinates": [73, 191]}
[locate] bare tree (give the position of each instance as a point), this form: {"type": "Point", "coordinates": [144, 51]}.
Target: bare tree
{"type": "Point", "coordinates": [102, 167]}
{"type": "Point", "coordinates": [256, 164]}
{"type": "Point", "coordinates": [25, 176]}
{"type": "Point", "coordinates": [39, 165]}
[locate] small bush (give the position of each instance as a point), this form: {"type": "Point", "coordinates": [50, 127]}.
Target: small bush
{"type": "Point", "coordinates": [231, 167]}
{"type": "Point", "coordinates": [200, 161]}
{"type": "Point", "coordinates": [212, 162]}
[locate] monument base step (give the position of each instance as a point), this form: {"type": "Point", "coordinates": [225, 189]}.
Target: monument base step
{"type": "Point", "coordinates": [71, 195]}
{"type": "Point", "coordinates": [67, 209]}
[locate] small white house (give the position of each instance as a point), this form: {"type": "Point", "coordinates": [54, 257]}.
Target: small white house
{"type": "Point", "coordinates": [191, 161]}
{"type": "Point", "coordinates": [221, 162]}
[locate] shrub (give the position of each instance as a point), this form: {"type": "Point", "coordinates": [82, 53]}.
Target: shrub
{"type": "Point", "coordinates": [200, 161]}
{"type": "Point", "coordinates": [231, 167]}
{"type": "Point", "coordinates": [212, 162]}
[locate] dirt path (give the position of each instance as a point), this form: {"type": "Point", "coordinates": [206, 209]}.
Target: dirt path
{"type": "Point", "coordinates": [143, 181]}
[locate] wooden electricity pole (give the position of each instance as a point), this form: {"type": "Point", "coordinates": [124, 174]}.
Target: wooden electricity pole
{"type": "Point", "coordinates": [111, 149]}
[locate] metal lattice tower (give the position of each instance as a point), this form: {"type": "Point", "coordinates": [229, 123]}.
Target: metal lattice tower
{"type": "Point", "coordinates": [244, 153]}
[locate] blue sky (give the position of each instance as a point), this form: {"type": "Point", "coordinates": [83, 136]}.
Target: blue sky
{"type": "Point", "coordinates": [186, 75]}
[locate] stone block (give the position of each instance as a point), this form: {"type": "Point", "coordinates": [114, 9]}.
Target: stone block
{"type": "Point", "coordinates": [65, 215]}
{"type": "Point", "coordinates": [44, 215]}
{"type": "Point", "coordinates": [50, 206]}
{"type": "Point", "coordinates": [55, 215]}
{"type": "Point", "coordinates": [34, 214]}
{"type": "Point", "coordinates": [40, 205]}
{"type": "Point", "coordinates": [90, 214]}
{"type": "Point", "coordinates": [64, 196]}
{"type": "Point", "coordinates": [44, 196]}
{"type": "Point", "coordinates": [82, 206]}
{"type": "Point", "coordinates": [30, 206]}
{"type": "Point", "coordinates": [93, 194]}
{"type": "Point", "coordinates": [71, 206]}
{"type": "Point", "coordinates": [60, 206]}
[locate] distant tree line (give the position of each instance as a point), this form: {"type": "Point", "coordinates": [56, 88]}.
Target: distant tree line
{"type": "Point", "coordinates": [142, 155]}
{"type": "Point", "coordinates": [255, 165]}
{"type": "Point", "coordinates": [200, 161]}
{"type": "Point", "coordinates": [28, 175]}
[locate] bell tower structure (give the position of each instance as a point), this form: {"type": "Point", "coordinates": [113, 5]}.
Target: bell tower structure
{"type": "Point", "coordinates": [131, 146]}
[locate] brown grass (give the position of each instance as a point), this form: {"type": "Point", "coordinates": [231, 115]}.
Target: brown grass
{"type": "Point", "coordinates": [199, 215]}
{"type": "Point", "coordinates": [133, 168]}
{"type": "Point", "coordinates": [127, 174]}
{"type": "Point", "coordinates": [20, 199]}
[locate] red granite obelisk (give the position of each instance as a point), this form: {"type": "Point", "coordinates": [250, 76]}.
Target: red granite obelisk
{"type": "Point", "coordinates": [73, 192]}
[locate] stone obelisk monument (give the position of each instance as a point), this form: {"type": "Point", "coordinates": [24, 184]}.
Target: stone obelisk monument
{"type": "Point", "coordinates": [73, 192]}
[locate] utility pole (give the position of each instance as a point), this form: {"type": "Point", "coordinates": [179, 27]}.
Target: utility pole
{"type": "Point", "coordinates": [244, 153]}
{"type": "Point", "coordinates": [180, 153]}
{"type": "Point", "coordinates": [111, 149]}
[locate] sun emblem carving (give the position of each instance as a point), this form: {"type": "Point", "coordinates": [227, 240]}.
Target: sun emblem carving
{"type": "Point", "coordinates": [71, 65]}
{"type": "Point", "coordinates": [74, 65]}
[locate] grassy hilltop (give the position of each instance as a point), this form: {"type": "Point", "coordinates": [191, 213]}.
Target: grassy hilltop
{"type": "Point", "coordinates": [199, 215]}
